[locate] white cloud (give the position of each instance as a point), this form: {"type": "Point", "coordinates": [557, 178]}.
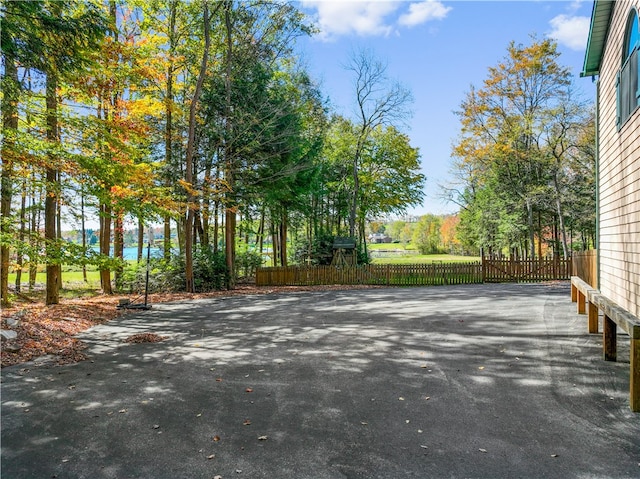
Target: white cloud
{"type": "Point", "coordinates": [351, 17]}
{"type": "Point", "coordinates": [571, 31]}
{"type": "Point", "coordinates": [370, 17]}
{"type": "Point", "coordinates": [423, 12]}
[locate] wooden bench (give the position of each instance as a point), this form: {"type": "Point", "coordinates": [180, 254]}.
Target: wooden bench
{"type": "Point", "coordinates": [589, 298]}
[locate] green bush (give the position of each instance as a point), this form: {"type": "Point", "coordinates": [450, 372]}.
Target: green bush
{"type": "Point", "coordinates": [210, 273]}
{"type": "Point", "coordinates": [246, 263]}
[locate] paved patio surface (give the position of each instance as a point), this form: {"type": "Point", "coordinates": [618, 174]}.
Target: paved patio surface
{"type": "Point", "coordinates": [487, 381]}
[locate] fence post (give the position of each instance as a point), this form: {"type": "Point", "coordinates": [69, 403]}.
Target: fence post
{"type": "Point", "coordinates": [484, 273]}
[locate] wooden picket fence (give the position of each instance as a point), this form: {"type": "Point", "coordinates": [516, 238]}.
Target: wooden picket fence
{"type": "Point", "coordinates": [525, 270]}
{"type": "Point", "coordinates": [487, 271]}
{"type": "Point", "coordinates": [372, 274]}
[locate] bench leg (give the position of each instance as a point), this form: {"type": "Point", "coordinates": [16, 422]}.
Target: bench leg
{"type": "Point", "coordinates": [574, 294]}
{"type": "Point", "coordinates": [593, 318]}
{"type": "Point", "coordinates": [609, 333]}
{"type": "Point", "coordinates": [581, 300]}
{"type": "Point", "coordinates": [634, 396]}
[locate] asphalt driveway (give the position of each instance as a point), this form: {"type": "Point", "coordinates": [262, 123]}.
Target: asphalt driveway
{"type": "Point", "coordinates": [492, 381]}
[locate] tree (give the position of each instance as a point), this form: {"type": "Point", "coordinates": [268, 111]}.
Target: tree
{"type": "Point", "coordinates": [426, 235]}
{"type": "Point", "coordinates": [515, 135]}
{"type": "Point", "coordinates": [378, 102]}
{"type": "Point", "coordinates": [54, 38]}
{"type": "Point", "coordinates": [389, 175]}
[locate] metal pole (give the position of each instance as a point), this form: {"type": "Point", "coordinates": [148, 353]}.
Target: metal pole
{"type": "Point", "coordinates": [146, 283]}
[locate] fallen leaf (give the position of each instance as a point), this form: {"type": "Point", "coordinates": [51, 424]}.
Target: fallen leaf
{"type": "Point", "coordinates": [211, 456]}
{"type": "Point", "coordinates": [246, 422]}
{"type": "Point", "coordinates": [156, 426]}
{"type": "Point", "coordinates": [219, 379]}
{"type": "Point", "coordinates": [481, 368]}
{"type": "Point", "coordinates": [424, 366]}
{"type": "Point", "coordinates": [145, 338]}
{"type": "Point", "coordinates": [249, 390]}
{"type": "Point", "coordinates": [401, 399]}
{"type": "Point", "coordinates": [263, 438]}
{"type": "Point", "coordinates": [554, 455]}
{"type": "Point", "coordinates": [65, 460]}
{"type": "Point", "coordinates": [426, 398]}
{"type": "Point", "coordinates": [423, 446]}
{"type": "Point", "coordinates": [238, 471]}
{"type": "Point", "coordinates": [216, 438]}
{"type": "Point", "coordinates": [482, 450]}
{"type": "Point", "coordinates": [199, 415]}
{"type": "Point", "coordinates": [364, 423]}
{"type": "Point", "coordinates": [122, 411]}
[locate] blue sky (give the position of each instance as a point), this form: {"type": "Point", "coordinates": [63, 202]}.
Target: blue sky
{"type": "Point", "coordinates": [437, 49]}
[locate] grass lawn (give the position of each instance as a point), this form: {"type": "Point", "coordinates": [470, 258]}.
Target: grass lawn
{"type": "Point", "coordinates": [73, 285]}
{"type": "Point", "coordinates": [398, 253]}
{"type": "Point", "coordinates": [413, 257]}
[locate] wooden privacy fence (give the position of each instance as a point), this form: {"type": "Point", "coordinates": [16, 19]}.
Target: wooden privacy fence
{"type": "Point", "coordinates": [585, 266]}
{"type": "Point", "coordinates": [489, 271]}
{"type": "Point", "coordinates": [372, 274]}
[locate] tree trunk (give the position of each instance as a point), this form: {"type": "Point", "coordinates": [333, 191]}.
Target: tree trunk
{"type": "Point", "coordinates": [34, 239]}
{"type": "Point", "coordinates": [52, 193]}
{"type": "Point", "coordinates": [105, 247]}
{"type": "Point", "coordinates": [140, 240]}
{"type": "Point", "coordinates": [260, 237]}
{"type": "Point", "coordinates": [188, 243]}
{"type": "Point", "coordinates": [9, 127]}
{"type": "Point", "coordinates": [118, 248]}
{"type": "Point", "coordinates": [168, 132]}
{"type": "Point", "coordinates": [84, 234]}
{"type": "Point", "coordinates": [532, 244]}
{"type": "Point", "coordinates": [22, 234]}
{"type": "Point", "coordinates": [283, 239]}
{"type": "Point", "coordinates": [560, 212]}
{"type": "Point", "coordinates": [230, 206]}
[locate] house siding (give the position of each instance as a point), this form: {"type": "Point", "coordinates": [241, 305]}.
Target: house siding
{"type": "Point", "coordinates": [619, 178]}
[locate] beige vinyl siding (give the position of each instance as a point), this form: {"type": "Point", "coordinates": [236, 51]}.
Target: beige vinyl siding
{"type": "Point", "coordinates": [619, 195]}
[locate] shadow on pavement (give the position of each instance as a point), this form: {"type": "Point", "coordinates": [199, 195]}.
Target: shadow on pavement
{"type": "Point", "coordinates": [467, 381]}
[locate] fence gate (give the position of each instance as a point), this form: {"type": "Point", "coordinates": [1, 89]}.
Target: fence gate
{"type": "Point", "coordinates": [526, 270]}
